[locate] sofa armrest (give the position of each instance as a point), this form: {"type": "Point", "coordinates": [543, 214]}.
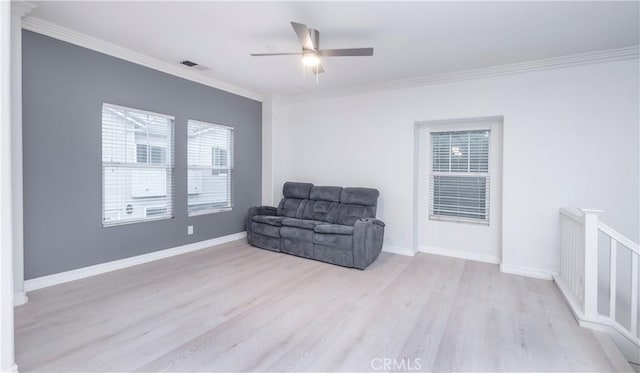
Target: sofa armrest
{"type": "Point", "coordinates": [263, 210]}
{"type": "Point", "coordinates": [258, 210]}
{"type": "Point", "coordinates": [374, 221]}
{"type": "Point", "coordinates": [368, 235]}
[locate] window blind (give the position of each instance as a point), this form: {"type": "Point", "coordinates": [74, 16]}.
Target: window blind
{"type": "Point", "coordinates": [459, 177]}
{"type": "Point", "coordinates": [137, 165]}
{"type": "Point", "coordinates": [210, 168]}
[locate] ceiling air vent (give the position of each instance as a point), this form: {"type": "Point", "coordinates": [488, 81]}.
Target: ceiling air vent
{"type": "Point", "coordinates": [194, 65]}
{"type": "Point", "coordinates": [189, 63]}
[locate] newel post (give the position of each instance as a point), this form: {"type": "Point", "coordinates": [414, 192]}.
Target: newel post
{"type": "Point", "coordinates": [591, 263]}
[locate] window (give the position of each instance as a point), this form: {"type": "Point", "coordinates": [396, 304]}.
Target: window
{"type": "Point", "coordinates": [210, 168]}
{"type": "Point", "coordinates": [219, 160]}
{"type": "Point", "coordinates": [459, 176]}
{"type": "Point", "coordinates": [137, 166]}
{"type": "Point", "coordinates": [154, 211]}
{"type": "Point", "coordinates": [150, 154]}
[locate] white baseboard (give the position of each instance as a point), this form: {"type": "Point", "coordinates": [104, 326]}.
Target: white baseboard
{"type": "Point", "coordinates": [572, 302]}
{"type": "Point", "coordinates": [462, 254]}
{"type": "Point", "coordinates": [20, 298]}
{"type": "Point", "coordinates": [398, 250]}
{"type": "Point", "coordinates": [488, 258]}
{"type": "Point", "coordinates": [626, 343]}
{"type": "Point", "coordinates": [613, 353]}
{"type": "Point", "coordinates": [76, 274]}
{"type": "Point", "coordinates": [526, 271]}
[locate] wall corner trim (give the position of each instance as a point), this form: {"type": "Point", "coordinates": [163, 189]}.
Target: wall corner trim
{"type": "Point", "coordinates": [514, 269]}
{"type": "Point", "coordinates": [462, 254]}
{"type": "Point", "coordinates": [80, 273]}
{"type": "Point", "coordinates": [67, 35]}
{"type": "Point", "coordinates": [20, 298]}
{"type": "Point", "coordinates": [399, 250]}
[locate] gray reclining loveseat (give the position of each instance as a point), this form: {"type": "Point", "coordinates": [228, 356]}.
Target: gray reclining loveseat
{"type": "Point", "coordinates": [331, 224]}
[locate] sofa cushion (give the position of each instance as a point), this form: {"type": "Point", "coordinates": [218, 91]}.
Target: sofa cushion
{"type": "Point", "coordinates": [269, 219]}
{"type": "Point", "coordinates": [303, 249]}
{"type": "Point", "coordinates": [348, 213]}
{"type": "Point", "coordinates": [292, 207]}
{"type": "Point", "coordinates": [360, 196]}
{"type": "Point", "coordinates": [321, 210]}
{"type": "Point", "coordinates": [301, 223]}
{"type": "Point", "coordinates": [333, 255]}
{"type": "Point", "coordinates": [266, 242]}
{"type": "Point", "coordinates": [297, 234]}
{"type": "Point", "coordinates": [265, 229]}
{"type": "Point", "coordinates": [296, 190]}
{"type": "Point", "coordinates": [341, 241]}
{"type": "Point", "coordinates": [334, 229]}
{"type": "Point", "coordinates": [325, 193]}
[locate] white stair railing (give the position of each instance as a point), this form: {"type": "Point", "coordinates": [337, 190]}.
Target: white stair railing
{"type": "Point", "coordinates": [578, 277]}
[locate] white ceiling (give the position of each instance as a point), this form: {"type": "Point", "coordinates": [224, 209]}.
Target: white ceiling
{"type": "Point", "coordinates": [411, 39]}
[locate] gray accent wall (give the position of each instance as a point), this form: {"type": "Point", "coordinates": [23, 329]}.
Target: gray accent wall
{"type": "Point", "coordinates": [64, 87]}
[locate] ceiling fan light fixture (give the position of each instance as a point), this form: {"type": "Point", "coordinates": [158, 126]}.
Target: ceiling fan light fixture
{"type": "Point", "coordinates": [311, 52]}
{"type": "Point", "coordinates": [310, 59]}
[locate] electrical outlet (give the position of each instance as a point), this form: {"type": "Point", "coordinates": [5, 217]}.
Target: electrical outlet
{"type": "Point", "coordinates": [190, 229]}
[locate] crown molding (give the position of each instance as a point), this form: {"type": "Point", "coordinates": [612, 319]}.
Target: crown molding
{"type": "Point", "coordinates": [22, 8]}
{"type": "Point", "coordinates": [609, 55]}
{"type": "Point", "coordinates": [62, 33]}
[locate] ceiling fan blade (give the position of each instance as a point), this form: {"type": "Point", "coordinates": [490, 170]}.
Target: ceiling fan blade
{"type": "Point", "coordinates": [275, 54]}
{"type": "Point", "coordinates": [303, 34]}
{"type": "Point", "coordinates": [346, 52]}
{"type": "Point", "coordinates": [317, 69]}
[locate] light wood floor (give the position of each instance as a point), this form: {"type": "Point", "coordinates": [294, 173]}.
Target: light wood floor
{"type": "Point", "coordinates": [238, 308]}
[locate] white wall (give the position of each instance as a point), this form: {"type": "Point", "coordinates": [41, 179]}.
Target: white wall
{"type": "Point", "coordinates": [571, 138]}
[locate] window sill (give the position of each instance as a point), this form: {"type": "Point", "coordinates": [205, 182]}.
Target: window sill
{"type": "Point", "coordinates": [127, 222]}
{"type": "Point", "coordinates": [210, 211]}
{"type": "Point", "coordinates": [451, 219]}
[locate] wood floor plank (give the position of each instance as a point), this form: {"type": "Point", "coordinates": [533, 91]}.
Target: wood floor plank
{"type": "Point", "coordinates": [238, 308]}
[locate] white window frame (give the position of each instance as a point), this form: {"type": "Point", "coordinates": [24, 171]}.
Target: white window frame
{"type": "Point", "coordinates": [210, 170]}
{"type": "Point", "coordinates": [485, 175]}
{"type": "Point", "coordinates": [169, 166]}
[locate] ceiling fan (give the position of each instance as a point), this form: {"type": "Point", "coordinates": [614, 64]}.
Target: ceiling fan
{"type": "Point", "coordinates": [311, 52]}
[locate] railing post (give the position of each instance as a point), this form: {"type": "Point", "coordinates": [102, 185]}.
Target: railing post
{"type": "Point", "coordinates": [591, 263]}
